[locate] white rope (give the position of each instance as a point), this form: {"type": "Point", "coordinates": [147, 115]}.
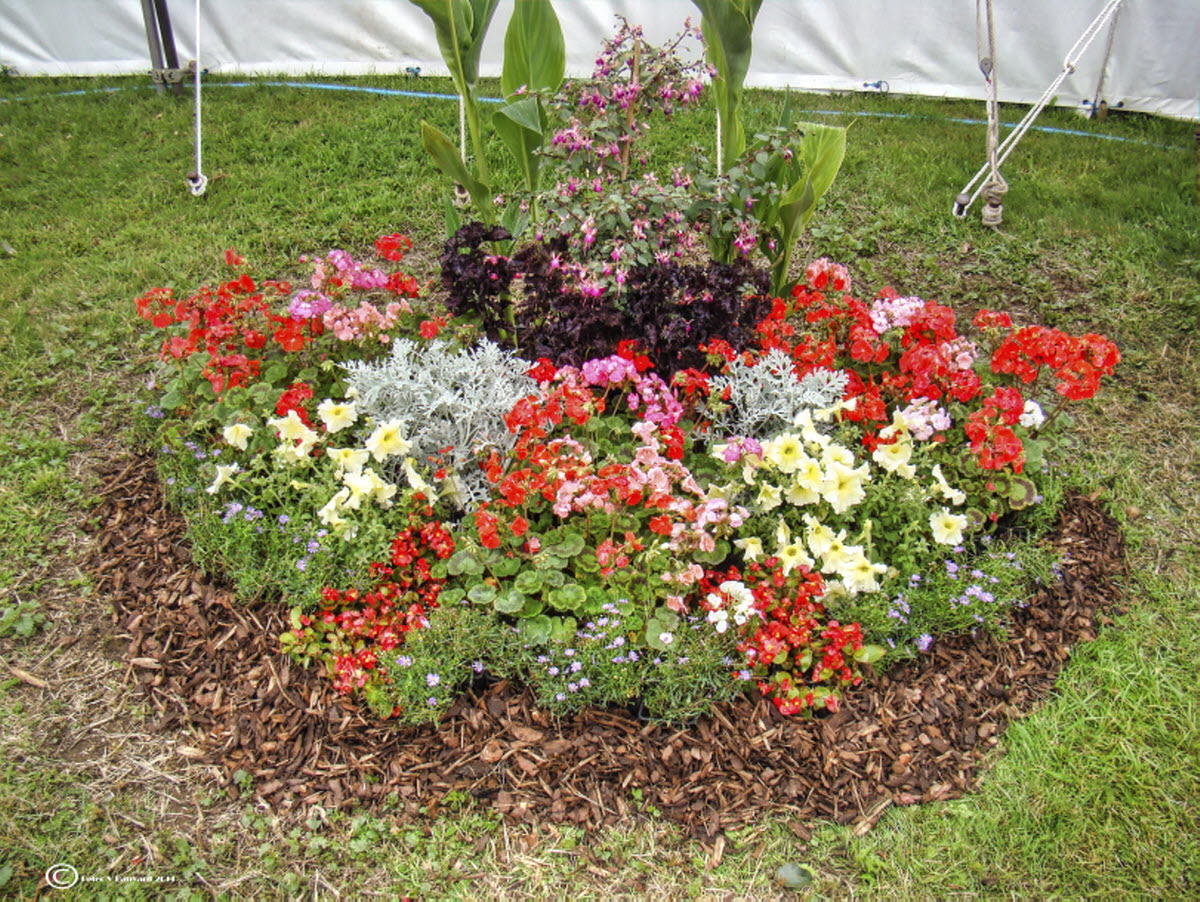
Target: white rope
{"type": "Point", "coordinates": [964, 200]}
{"type": "Point", "coordinates": [720, 148]}
{"type": "Point", "coordinates": [197, 180]}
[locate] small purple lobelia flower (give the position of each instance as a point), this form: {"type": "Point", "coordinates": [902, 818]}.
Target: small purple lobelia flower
{"type": "Point", "coordinates": [924, 642]}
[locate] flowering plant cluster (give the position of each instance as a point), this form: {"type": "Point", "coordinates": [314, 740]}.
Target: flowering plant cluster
{"type": "Point", "coordinates": [616, 248]}
{"type": "Point", "coordinates": [772, 519]}
{"type": "Point", "coordinates": [234, 345]}
{"type": "Point", "coordinates": [352, 627]}
{"type": "Point", "coordinates": [799, 655]}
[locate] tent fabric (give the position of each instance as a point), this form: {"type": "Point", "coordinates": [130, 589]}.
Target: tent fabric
{"type": "Point", "coordinates": [925, 48]}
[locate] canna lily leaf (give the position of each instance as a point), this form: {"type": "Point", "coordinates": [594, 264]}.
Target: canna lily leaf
{"type": "Point", "coordinates": [535, 54]}
{"type": "Point", "coordinates": [727, 26]}
{"type": "Point", "coordinates": [460, 26]}
{"type": "Point", "coordinates": [520, 126]}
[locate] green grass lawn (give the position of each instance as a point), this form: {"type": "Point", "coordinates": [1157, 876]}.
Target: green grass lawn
{"type": "Point", "coordinates": [1097, 793]}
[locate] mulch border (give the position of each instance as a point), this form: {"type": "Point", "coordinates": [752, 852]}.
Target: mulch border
{"type": "Point", "coordinates": [923, 731]}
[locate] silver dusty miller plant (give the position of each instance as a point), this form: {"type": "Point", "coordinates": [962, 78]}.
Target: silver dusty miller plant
{"type": "Point", "coordinates": [767, 398]}
{"type": "Point", "coordinates": [446, 398]}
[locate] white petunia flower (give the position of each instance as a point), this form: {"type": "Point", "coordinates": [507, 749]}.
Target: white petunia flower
{"type": "Point", "coordinates": [769, 497]}
{"type": "Point", "coordinates": [237, 435]}
{"type": "Point", "coordinates": [292, 429]}
{"type": "Point", "coordinates": [337, 415]}
{"type": "Point", "coordinates": [859, 574]}
{"type": "Point", "coordinates": [843, 487]}
{"type": "Point", "coordinates": [1033, 416]}
{"type": "Point", "coordinates": [349, 460]}
{"type": "Point", "coordinates": [893, 457]}
{"type": "Point", "coordinates": [388, 440]}
{"type": "Point", "coordinates": [224, 475]}
{"type": "Point", "coordinates": [947, 527]}
{"type": "Point", "coordinates": [751, 546]}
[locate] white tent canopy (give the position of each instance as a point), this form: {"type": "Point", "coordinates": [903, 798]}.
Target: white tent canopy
{"type": "Point", "coordinates": [924, 48]}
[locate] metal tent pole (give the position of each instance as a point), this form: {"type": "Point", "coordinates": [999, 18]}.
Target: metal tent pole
{"type": "Point", "coordinates": [164, 59]}
{"type": "Point", "coordinates": [1099, 106]}
{"type": "Point", "coordinates": [156, 54]}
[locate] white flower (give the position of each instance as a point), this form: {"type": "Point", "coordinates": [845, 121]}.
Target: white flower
{"type": "Point", "coordinates": [953, 495]}
{"type": "Point", "coordinates": [894, 456]}
{"type": "Point", "coordinates": [752, 547]}
{"type": "Point", "coordinates": [292, 429]}
{"type": "Point", "coordinates": [858, 574]}
{"type": "Point", "coordinates": [387, 440]}
{"type": "Point", "coordinates": [947, 527]}
{"type": "Point", "coordinates": [769, 497]}
{"type": "Point", "coordinates": [792, 556]}
{"type": "Point", "coordinates": [843, 487]}
{"type": "Point", "coordinates": [820, 537]}
{"type": "Point", "coordinates": [1033, 417]}
{"type": "Point", "coordinates": [837, 454]}
{"type": "Point", "coordinates": [415, 480]}
{"type": "Point", "coordinates": [237, 435]}
{"type": "Point", "coordinates": [786, 452]}
{"type": "Point", "coordinates": [806, 484]}
{"type": "Point", "coordinates": [719, 619]}
{"type": "Point", "coordinates": [349, 460]}
{"type": "Point", "coordinates": [330, 514]}
{"type": "Point", "coordinates": [666, 638]}
{"type": "Point", "coordinates": [840, 556]}
{"type": "Point", "coordinates": [337, 415]}
{"type": "Point", "coordinates": [224, 475]}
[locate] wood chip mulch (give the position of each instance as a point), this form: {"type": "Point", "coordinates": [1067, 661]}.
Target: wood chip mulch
{"type": "Point", "coordinates": [923, 731]}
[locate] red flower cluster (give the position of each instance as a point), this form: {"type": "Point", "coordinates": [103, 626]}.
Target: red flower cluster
{"type": "Point", "coordinates": [990, 431]}
{"type": "Point", "coordinates": [803, 654]}
{"type": "Point", "coordinates": [225, 323]}
{"type": "Point", "coordinates": [295, 398]}
{"type": "Point", "coordinates": [392, 247]}
{"type": "Point", "coordinates": [532, 419]}
{"type": "Point", "coordinates": [1078, 362]}
{"type": "Point", "coordinates": [366, 623]}
{"type": "Point", "coordinates": [900, 350]}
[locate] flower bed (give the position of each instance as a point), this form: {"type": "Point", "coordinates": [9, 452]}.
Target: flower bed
{"type": "Point", "coordinates": [431, 506]}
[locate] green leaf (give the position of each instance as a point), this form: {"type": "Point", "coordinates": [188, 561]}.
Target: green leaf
{"type": "Point", "coordinates": [506, 566]}
{"type": "Point", "coordinates": [535, 54]}
{"type": "Point", "coordinates": [482, 593]}
{"type": "Point", "coordinates": [172, 400]}
{"type": "Point", "coordinates": [510, 602]}
{"type": "Point", "coordinates": [446, 157]}
{"type": "Point", "coordinates": [460, 27]}
{"type": "Point", "coordinates": [869, 654]}
{"type": "Point", "coordinates": [533, 607]}
{"type": "Point", "coordinates": [727, 26]}
{"type": "Point", "coordinates": [822, 150]}
{"type": "Point", "coordinates": [568, 598]}
{"type": "Point", "coordinates": [451, 596]}
{"type": "Point", "coordinates": [562, 629]}
{"type": "Point", "coordinates": [528, 581]}
{"type": "Point", "coordinates": [276, 372]}
{"type": "Point", "coordinates": [571, 544]}
{"type": "Point", "coordinates": [464, 562]}
{"type": "Point", "coordinates": [536, 629]}
{"type": "Point", "coordinates": [520, 126]}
